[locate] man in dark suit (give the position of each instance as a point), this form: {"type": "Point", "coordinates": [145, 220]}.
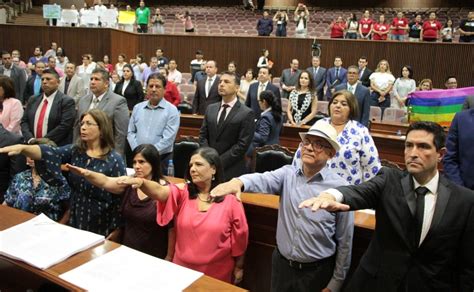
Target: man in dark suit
{"type": "Point", "coordinates": [33, 84]}
{"type": "Point", "coordinates": [114, 105]}
{"type": "Point", "coordinates": [72, 85]}
{"type": "Point", "coordinates": [9, 165]}
{"type": "Point", "coordinates": [361, 92]}
{"type": "Point", "coordinates": [264, 83]}
{"type": "Point", "coordinates": [49, 115]}
{"type": "Point", "coordinates": [289, 78]}
{"type": "Point", "coordinates": [425, 223]}
{"type": "Point", "coordinates": [319, 76]}
{"type": "Point", "coordinates": [16, 73]}
{"type": "Point", "coordinates": [206, 89]}
{"type": "Point", "coordinates": [228, 127]}
{"type": "Point", "coordinates": [364, 72]}
{"type": "Point", "coordinates": [335, 76]}
{"type": "Point", "coordinates": [459, 159]}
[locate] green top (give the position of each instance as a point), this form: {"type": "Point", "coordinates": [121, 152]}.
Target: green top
{"type": "Point", "coordinates": [142, 15]}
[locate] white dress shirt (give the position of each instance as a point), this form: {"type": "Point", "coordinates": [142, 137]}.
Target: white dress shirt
{"type": "Point", "coordinates": [227, 110]}
{"type": "Point", "coordinates": [209, 84]}
{"type": "Point", "coordinates": [430, 202]}
{"type": "Point", "coordinates": [46, 114]}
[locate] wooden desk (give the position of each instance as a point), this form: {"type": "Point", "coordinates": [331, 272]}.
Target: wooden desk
{"type": "Point", "coordinates": [22, 276]}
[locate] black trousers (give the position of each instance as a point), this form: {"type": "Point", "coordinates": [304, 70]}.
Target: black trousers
{"type": "Point", "coordinates": [289, 279]}
{"type": "Point", "coordinates": [142, 28]}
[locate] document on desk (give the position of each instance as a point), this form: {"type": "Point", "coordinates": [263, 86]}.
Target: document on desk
{"type": "Point", "coordinates": [42, 242]}
{"type": "Point", "coordinates": [125, 269]}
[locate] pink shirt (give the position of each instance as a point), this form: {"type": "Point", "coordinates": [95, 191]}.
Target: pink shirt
{"type": "Point", "coordinates": [11, 115]}
{"type": "Point", "coordinates": [205, 241]}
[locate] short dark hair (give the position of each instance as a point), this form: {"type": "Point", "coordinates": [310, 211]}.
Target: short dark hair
{"type": "Point", "coordinates": [157, 76]}
{"type": "Point", "coordinates": [40, 48]}
{"type": "Point", "coordinates": [236, 78]}
{"type": "Point", "coordinates": [212, 157]}
{"type": "Point", "coordinates": [103, 72]}
{"type": "Point", "coordinates": [363, 58]}
{"type": "Point", "coordinates": [152, 156]}
{"type": "Point", "coordinates": [351, 102]}
{"type": "Point", "coordinates": [410, 71]}
{"type": "Point", "coordinates": [5, 53]}
{"type": "Point", "coordinates": [51, 57]}
{"type": "Point", "coordinates": [6, 83]}
{"type": "Point", "coordinates": [52, 72]}
{"type": "Point", "coordinates": [449, 77]}
{"type": "Point", "coordinates": [439, 136]}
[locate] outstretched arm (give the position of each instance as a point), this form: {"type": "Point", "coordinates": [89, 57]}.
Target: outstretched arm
{"type": "Point", "coordinates": [324, 201]}
{"type": "Point", "coordinates": [98, 179]}
{"type": "Point", "coordinates": [151, 188]}
{"type": "Point", "coordinates": [31, 151]}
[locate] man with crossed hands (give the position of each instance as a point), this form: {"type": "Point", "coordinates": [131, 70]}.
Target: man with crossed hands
{"type": "Point", "coordinates": [424, 237]}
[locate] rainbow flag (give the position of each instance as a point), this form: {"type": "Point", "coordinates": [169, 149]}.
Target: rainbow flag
{"type": "Point", "coordinates": [438, 106]}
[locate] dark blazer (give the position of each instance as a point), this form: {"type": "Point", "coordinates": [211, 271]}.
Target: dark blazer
{"type": "Point", "coordinates": [60, 120]}
{"type": "Point", "coordinates": [9, 165]}
{"type": "Point", "coordinates": [115, 106]}
{"type": "Point", "coordinates": [458, 163]}
{"type": "Point", "coordinates": [363, 99]}
{"type": "Point", "coordinates": [200, 100]}
{"type": "Point", "coordinates": [393, 261]}
{"type": "Point", "coordinates": [252, 98]}
{"type": "Point", "coordinates": [29, 89]}
{"type": "Point", "coordinates": [19, 79]}
{"type": "Point", "coordinates": [365, 77]}
{"type": "Point", "coordinates": [319, 80]}
{"type": "Point", "coordinates": [468, 102]}
{"type": "Point", "coordinates": [267, 132]}
{"type": "Point", "coordinates": [133, 93]}
{"type": "Point", "coordinates": [232, 139]}
{"type": "Point", "coordinates": [289, 80]}
{"type": "Point", "coordinates": [332, 81]}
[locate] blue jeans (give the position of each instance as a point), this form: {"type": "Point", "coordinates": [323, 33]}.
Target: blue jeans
{"type": "Point", "coordinates": [397, 37]}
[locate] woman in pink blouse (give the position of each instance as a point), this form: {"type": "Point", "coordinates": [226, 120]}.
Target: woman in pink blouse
{"type": "Point", "coordinates": [211, 233]}
{"type": "Point", "coordinates": [11, 109]}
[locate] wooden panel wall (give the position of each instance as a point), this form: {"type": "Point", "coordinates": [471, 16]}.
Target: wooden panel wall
{"type": "Point", "coordinates": [389, 3]}
{"type": "Point", "coordinates": [435, 61]}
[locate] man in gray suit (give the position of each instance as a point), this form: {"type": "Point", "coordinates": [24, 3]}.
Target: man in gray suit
{"type": "Point", "coordinates": [16, 73]}
{"type": "Point", "coordinates": [468, 102]}
{"type": "Point", "coordinates": [319, 76]}
{"type": "Point", "coordinates": [361, 92]}
{"type": "Point", "coordinates": [72, 85]}
{"type": "Point", "coordinates": [115, 106]}
{"type": "Point", "coordinates": [289, 78]}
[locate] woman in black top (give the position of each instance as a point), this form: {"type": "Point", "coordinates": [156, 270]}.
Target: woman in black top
{"type": "Point", "coordinates": [129, 87]}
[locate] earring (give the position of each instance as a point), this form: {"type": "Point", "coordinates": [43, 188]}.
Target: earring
{"type": "Point", "coordinates": [213, 177]}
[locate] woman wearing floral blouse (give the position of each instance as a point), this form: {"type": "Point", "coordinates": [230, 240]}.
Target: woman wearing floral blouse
{"type": "Point", "coordinates": [357, 159]}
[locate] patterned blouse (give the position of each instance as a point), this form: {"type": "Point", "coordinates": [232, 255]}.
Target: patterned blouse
{"type": "Point", "coordinates": [44, 198]}
{"type": "Point", "coordinates": [92, 208]}
{"type": "Point", "coordinates": [357, 160]}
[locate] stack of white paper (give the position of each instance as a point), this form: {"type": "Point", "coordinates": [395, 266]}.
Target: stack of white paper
{"type": "Point", "coordinates": [42, 242]}
{"type": "Point", "coordinates": [125, 269]}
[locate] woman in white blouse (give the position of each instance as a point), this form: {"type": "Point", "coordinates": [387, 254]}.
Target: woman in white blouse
{"type": "Point", "coordinates": [263, 61]}
{"type": "Point", "coordinates": [245, 84]}
{"type": "Point", "coordinates": [120, 64]}
{"type": "Point", "coordinates": [381, 83]}
{"type": "Point", "coordinates": [403, 86]}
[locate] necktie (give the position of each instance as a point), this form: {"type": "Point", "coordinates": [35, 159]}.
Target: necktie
{"type": "Point", "coordinates": [260, 89]}
{"type": "Point", "coordinates": [222, 116]}
{"type": "Point", "coordinates": [351, 89]}
{"type": "Point", "coordinates": [360, 73]}
{"type": "Point", "coordinates": [37, 86]}
{"type": "Point", "coordinates": [39, 126]}
{"type": "Point", "coordinates": [314, 72]}
{"type": "Point", "coordinates": [209, 84]}
{"type": "Point", "coordinates": [66, 85]}
{"type": "Point", "coordinates": [420, 211]}
{"type": "Point", "coordinates": [337, 73]}
{"type": "Point", "coordinates": [95, 103]}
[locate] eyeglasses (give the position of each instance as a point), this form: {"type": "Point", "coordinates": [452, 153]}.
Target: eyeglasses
{"type": "Point", "coordinates": [88, 124]}
{"type": "Point", "coordinates": [316, 145]}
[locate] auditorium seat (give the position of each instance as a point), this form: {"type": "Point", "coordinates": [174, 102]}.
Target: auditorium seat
{"type": "Point", "coordinates": [187, 88]}
{"type": "Point", "coordinates": [375, 114]}
{"type": "Point", "coordinates": [394, 115]}
{"type": "Point", "coordinates": [323, 107]}
{"type": "Point", "coordinates": [183, 147]}
{"type": "Point", "coordinates": [271, 157]}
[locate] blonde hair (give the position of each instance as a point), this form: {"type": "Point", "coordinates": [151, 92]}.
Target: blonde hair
{"type": "Point", "coordinates": [380, 62]}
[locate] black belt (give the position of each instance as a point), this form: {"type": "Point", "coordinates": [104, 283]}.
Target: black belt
{"type": "Point", "coordinates": [304, 266]}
